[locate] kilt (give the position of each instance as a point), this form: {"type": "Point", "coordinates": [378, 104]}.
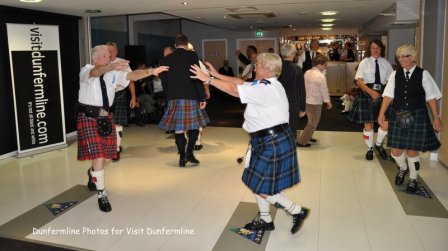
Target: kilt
{"type": "Point", "coordinates": [273, 165]}
{"type": "Point", "coordinates": [120, 108]}
{"type": "Point", "coordinates": [419, 137]}
{"type": "Point", "coordinates": [90, 144]}
{"type": "Point", "coordinates": [362, 110]}
{"type": "Point", "coordinates": [183, 115]}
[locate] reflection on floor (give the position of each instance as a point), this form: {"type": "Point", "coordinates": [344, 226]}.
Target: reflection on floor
{"type": "Point", "coordinates": [159, 206]}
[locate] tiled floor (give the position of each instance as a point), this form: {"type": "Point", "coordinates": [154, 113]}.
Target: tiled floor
{"type": "Point", "coordinates": [353, 204]}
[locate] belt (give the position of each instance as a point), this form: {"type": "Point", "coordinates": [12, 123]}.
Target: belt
{"type": "Point", "coordinates": [269, 131]}
{"type": "Point", "coordinates": [92, 111]}
{"type": "Point", "coordinates": [372, 85]}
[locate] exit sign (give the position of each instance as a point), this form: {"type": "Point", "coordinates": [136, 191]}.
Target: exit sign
{"type": "Point", "coordinates": [258, 34]}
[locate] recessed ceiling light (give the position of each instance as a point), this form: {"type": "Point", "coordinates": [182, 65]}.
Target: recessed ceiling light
{"type": "Point", "coordinates": [326, 28]}
{"type": "Point", "coordinates": [224, 17]}
{"type": "Point", "coordinates": [184, 3]}
{"type": "Point", "coordinates": [327, 20]}
{"type": "Point", "coordinates": [31, 1]}
{"type": "Point", "coordinates": [290, 25]}
{"type": "Point", "coordinates": [329, 13]}
{"type": "Point", "coordinates": [327, 25]}
{"type": "Point", "coordinates": [92, 11]}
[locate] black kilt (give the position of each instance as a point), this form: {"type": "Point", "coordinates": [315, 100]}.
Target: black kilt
{"type": "Point", "coordinates": [419, 137]}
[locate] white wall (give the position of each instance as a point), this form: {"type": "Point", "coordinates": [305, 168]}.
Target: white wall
{"type": "Point", "coordinates": [196, 32]}
{"type": "Point", "coordinates": [397, 38]}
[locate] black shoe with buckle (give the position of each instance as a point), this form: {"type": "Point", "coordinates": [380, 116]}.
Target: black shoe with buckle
{"type": "Point", "coordinates": [90, 184]}
{"type": "Point", "coordinates": [298, 219]}
{"type": "Point", "coordinates": [303, 145]}
{"type": "Point", "coordinates": [313, 140]}
{"type": "Point", "coordinates": [412, 186]}
{"type": "Point", "coordinates": [369, 154]}
{"type": "Point", "coordinates": [190, 158]}
{"type": "Point", "coordinates": [399, 179]}
{"type": "Point", "coordinates": [103, 203]}
{"type": "Point", "coordinates": [182, 161]}
{"type": "Point", "coordinates": [381, 151]}
{"type": "Point", "coordinates": [260, 224]}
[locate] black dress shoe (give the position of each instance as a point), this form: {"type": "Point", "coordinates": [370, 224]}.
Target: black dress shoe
{"type": "Point", "coordinates": [182, 161]}
{"type": "Point", "coordinates": [381, 151]}
{"type": "Point", "coordinates": [313, 140]}
{"type": "Point", "coordinates": [412, 186]}
{"type": "Point", "coordinates": [399, 179]}
{"type": "Point", "coordinates": [344, 112]}
{"type": "Point", "coordinates": [198, 147]}
{"type": "Point", "coordinates": [103, 203]}
{"type": "Point", "coordinates": [117, 158]}
{"type": "Point", "coordinates": [190, 158]}
{"type": "Point", "coordinates": [303, 145]}
{"type": "Point", "coordinates": [90, 184]}
{"type": "Point", "coordinates": [298, 219]}
{"type": "Point", "coordinates": [369, 154]}
{"type": "Point", "coordinates": [260, 224]}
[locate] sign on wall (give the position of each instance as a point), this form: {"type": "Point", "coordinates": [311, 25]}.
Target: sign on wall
{"type": "Point", "coordinates": [37, 87]}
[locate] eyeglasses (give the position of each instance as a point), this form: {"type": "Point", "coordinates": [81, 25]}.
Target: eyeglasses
{"type": "Point", "coordinates": [404, 56]}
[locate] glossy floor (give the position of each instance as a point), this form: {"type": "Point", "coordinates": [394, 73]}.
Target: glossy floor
{"type": "Point", "coordinates": [354, 206]}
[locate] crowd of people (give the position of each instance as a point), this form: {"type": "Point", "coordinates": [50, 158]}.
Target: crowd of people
{"type": "Point", "coordinates": [277, 91]}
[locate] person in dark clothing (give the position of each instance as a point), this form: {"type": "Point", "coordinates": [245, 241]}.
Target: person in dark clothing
{"type": "Point", "coordinates": [226, 69]}
{"type": "Point", "coordinates": [305, 59]}
{"type": "Point", "coordinates": [249, 50]}
{"type": "Point", "coordinates": [294, 84]}
{"type": "Point", "coordinates": [185, 96]}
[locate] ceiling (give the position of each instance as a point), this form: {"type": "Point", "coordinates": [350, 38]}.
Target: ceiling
{"type": "Point", "coordinates": [237, 15]}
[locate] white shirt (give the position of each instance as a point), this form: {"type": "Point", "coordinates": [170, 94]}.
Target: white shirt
{"type": "Point", "coordinates": [246, 70]}
{"type": "Point", "coordinates": [120, 86]}
{"type": "Point", "coordinates": [428, 83]}
{"type": "Point", "coordinates": [90, 88]}
{"type": "Point", "coordinates": [267, 104]}
{"type": "Point", "coordinates": [157, 84]}
{"type": "Point", "coordinates": [366, 70]}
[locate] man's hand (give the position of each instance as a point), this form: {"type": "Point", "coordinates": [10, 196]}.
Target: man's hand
{"type": "Point", "coordinates": [202, 105]}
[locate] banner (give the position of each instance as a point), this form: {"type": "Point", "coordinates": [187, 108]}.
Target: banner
{"type": "Point", "coordinates": [34, 56]}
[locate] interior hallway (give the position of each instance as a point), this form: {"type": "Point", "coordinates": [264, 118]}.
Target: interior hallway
{"type": "Point", "coordinates": [354, 206]}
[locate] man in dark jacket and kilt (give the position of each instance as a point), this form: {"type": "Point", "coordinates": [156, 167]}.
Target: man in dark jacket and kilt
{"type": "Point", "coordinates": [410, 128]}
{"type": "Point", "coordinates": [271, 162]}
{"type": "Point", "coordinates": [186, 100]}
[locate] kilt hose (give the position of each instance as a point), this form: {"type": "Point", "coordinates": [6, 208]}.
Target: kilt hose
{"type": "Point", "coordinates": [419, 137]}
{"type": "Point", "coordinates": [273, 165]}
{"type": "Point", "coordinates": [120, 109]}
{"type": "Point", "coordinates": [90, 144]}
{"type": "Point", "coordinates": [183, 115]}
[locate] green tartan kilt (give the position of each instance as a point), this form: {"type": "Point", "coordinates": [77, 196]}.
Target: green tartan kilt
{"type": "Point", "coordinates": [419, 137]}
{"type": "Point", "coordinates": [120, 108]}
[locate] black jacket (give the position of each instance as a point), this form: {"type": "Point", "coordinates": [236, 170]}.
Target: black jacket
{"type": "Point", "coordinates": [294, 83]}
{"type": "Point", "coordinates": [176, 82]}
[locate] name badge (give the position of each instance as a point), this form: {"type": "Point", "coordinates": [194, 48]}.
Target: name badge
{"type": "Point", "coordinates": [377, 87]}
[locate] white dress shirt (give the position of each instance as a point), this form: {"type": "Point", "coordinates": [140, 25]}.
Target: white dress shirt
{"type": "Point", "coordinates": [366, 70]}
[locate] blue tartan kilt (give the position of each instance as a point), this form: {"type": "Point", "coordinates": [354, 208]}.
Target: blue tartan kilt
{"type": "Point", "coordinates": [363, 111]}
{"type": "Point", "coordinates": [419, 137]}
{"type": "Point", "coordinates": [183, 115]}
{"type": "Point", "coordinates": [120, 108]}
{"type": "Point", "coordinates": [273, 165]}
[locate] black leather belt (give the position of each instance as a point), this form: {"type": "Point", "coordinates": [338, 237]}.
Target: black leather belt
{"type": "Point", "coordinates": [372, 85]}
{"type": "Point", "coordinates": [92, 111]}
{"type": "Point", "coordinates": [269, 131]}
